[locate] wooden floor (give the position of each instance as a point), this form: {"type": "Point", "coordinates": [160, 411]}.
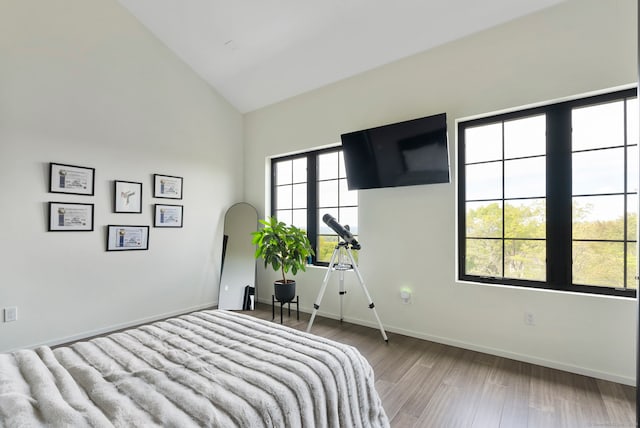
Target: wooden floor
{"type": "Point", "coordinates": [425, 384]}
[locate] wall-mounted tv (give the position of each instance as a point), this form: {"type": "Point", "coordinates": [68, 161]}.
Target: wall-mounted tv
{"type": "Point", "coordinates": [401, 154]}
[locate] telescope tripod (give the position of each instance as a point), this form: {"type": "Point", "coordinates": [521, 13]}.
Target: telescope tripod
{"type": "Point", "coordinates": [336, 264]}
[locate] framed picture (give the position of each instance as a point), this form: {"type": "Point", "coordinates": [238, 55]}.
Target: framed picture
{"type": "Point", "coordinates": [77, 180]}
{"type": "Point", "coordinates": [166, 186]}
{"type": "Point", "coordinates": [127, 238]}
{"type": "Point", "coordinates": [70, 217]}
{"type": "Point", "coordinates": [168, 216]}
{"type": "Point", "coordinates": [127, 197]}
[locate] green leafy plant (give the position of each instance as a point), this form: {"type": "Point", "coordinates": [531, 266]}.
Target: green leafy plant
{"type": "Point", "coordinates": [285, 248]}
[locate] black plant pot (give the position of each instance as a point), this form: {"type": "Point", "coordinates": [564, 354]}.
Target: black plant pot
{"type": "Point", "coordinates": [284, 292]}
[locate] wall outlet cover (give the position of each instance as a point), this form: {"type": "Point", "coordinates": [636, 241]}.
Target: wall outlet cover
{"type": "Point", "coordinates": [10, 314]}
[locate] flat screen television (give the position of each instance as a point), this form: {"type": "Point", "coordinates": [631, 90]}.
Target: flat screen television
{"type": "Point", "coordinates": [400, 154]}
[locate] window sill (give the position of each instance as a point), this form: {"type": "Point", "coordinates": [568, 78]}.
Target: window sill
{"type": "Point", "coordinates": [542, 290]}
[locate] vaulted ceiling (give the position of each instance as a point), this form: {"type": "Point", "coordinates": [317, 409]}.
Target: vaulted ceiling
{"type": "Point", "coordinates": [258, 52]}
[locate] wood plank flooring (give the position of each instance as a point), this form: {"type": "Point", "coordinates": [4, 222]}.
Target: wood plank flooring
{"type": "Point", "coordinates": [426, 384]}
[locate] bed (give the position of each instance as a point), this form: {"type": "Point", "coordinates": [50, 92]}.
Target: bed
{"type": "Point", "coordinates": [209, 368]}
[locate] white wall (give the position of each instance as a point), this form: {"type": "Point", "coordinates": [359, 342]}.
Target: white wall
{"type": "Point", "coordinates": [83, 83]}
{"type": "Point", "coordinates": [408, 234]}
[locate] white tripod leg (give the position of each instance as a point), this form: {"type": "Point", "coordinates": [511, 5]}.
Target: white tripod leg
{"type": "Point", "coordinates": [366, 293]}
{"type": "Point", "coordinates": [341, 292]}
{"type": "Point", "coordinates": [316, 305]}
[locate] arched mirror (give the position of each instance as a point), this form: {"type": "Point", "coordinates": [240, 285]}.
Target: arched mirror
{"type": "Point", "coordinates": [238, 279]}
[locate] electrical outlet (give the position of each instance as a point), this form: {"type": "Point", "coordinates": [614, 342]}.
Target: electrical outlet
{"type": "Point", "coordinates": [10, 314]}
{"type": "Point", "coordinates": [529, 318]}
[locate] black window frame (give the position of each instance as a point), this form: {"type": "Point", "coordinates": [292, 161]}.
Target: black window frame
{"type": "Point", "coordinates": [558, 196]}
{"type": "Point", "coordinates": [312, 193]}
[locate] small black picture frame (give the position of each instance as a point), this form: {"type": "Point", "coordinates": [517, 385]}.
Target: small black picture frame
{"type": "Point", "coordinates": [127, 238]}
{"type": "Point", "coordinates": [70, 217]}
{"type": "Point", "coordinates": [71, 179]}
{"type": "Point", "coordinates": [167, 215]}
{"type": "Point", "coordinates": [167, 186]}
{"type": "Point", "coordinates": [127, 197]}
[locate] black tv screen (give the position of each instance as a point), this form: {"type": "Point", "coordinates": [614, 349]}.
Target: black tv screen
{"type": "Point", "coordinates": [401, 154]}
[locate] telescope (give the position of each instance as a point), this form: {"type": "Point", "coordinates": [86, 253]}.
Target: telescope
{"type": "Point", "coordinates": [342, 231]}
{"type": "Point", "coordinates": [339, 251]}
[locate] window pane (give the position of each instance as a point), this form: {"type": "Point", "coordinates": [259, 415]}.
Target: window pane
{"type": "Point", "coordinates": [300, 170]}
{"type": "Point", "coordinates": [483, 143]}
{"type": "Point", "coordinates": [328, 166]}
{"type": "Point", "coordinates": [326, 245]}
{"type": "Point", "coordinates": [525, 137]}
{"type": "Point", "coordinates": [483, 257]}
{"type": "Point", "coordinates": [342, 172]}
{"type": "Point", "coordinates": [525, 259]}
{"type": "Point", "coordinates": [632, 121]}
{"type": "Point", "coordinates": [484, 181]}
{"type": "Point", "coordinates": [632, 169]}
{"type": "Point", "coordinates": [283, 172]}
{"type": "Point", "coordinates": [598, 171]}
{"type": "Point", "coordinates": [484, 219]}
{"type": "Point", "coordinates": [598, 217]}
{"type": "Point", "coordinates": [632, 266]}
{"type": "Point", "coordinates": [283, 197]}
{"type": "Point", "coordinates": [284, 216]}
{"type": "Point", "coordinates": [632, 217]}
{"type": "Point", "coordinates": [525, 219]}
{"type": "Point", "coordinates": [347, 197]}
{"type": "Point", "coordinates": [328, 193]}
{"type": "Point", "coordinates": [299, 219]}
{"type": "Point", "coordinates": [349, 216]}
{"type": "Point", "coordinates": [598, 126]}
{"type": "Point", "coordinates": [322, 226]}
{"type": "Point", "coordinates": [598, 263]}
{"type": "Point", "coordinates": [299, 195]}
{"type": "Point", "coordinates": [525, 178]}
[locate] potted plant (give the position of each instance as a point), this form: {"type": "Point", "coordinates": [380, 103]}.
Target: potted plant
{"type": "Point", "coordinates": [285, 248]}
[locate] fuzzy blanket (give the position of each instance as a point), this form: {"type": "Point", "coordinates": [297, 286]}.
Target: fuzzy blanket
{"type": "Point", "coordinates": [209, 368]}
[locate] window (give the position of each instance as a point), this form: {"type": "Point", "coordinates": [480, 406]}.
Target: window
{"type": "Point", "coordinates": [307, 186]}
{"type": "Point", "coordinates": [548, 197]}
{"type": "Point", "coordinates": [290, 191]}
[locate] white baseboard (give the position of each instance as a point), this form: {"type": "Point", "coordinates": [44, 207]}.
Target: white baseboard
{"type": "Point", "coordinates": [97, 332]}
{"type": "Point", "coordinates": [631, 381]}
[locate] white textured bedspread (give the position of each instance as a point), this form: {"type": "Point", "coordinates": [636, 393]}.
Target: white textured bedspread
{"type": "Point", "coordinates": [209, 368]}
